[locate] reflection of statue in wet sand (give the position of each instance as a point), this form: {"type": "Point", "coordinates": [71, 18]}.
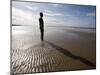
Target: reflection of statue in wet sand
{"type": "Point", "coordinates": [41, 23]}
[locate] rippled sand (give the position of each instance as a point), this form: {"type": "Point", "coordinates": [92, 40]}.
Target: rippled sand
{"type": "Point", "coordinates": [30, 55]}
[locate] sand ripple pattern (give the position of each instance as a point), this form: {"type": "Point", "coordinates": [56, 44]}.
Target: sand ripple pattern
{"type": "Point", "coordinates": [29, 58]}
{"type": "Point", "coordinates": [37, 59]}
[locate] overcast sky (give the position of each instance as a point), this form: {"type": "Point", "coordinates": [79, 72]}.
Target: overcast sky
{"type": "Point", "coordinates": [27, 13]}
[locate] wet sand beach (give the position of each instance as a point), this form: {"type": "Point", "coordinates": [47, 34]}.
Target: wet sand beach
{"type": "Point", "coordinates": [63, 49]}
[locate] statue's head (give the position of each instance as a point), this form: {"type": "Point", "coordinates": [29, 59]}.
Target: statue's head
{"type": "Point", "coordinates": [41, 14]}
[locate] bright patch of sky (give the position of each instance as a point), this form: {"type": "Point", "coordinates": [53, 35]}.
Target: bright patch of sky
{"type": "Point", "coordinates": [27, 13]}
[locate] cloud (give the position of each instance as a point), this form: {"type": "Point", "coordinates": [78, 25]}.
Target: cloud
{"type": "Point", "coordinates": [29, 7]}
{"type": "Point", "coordinates": [55, 5]}
{"type": "Point", "coordinates": [22, 17]}
{"type": "Point", "coordinates": [32, 8]}
{"type": "Point", "coordinates": [47, 11]}
{"type": "Point", "coordinates": [54, 14]}
{"type": "Point", "coordinates": [51, 21]}
{"type": "Point", "coordinates": [51, 13]}
{"type": "Point", "coordinates": [91, 14]}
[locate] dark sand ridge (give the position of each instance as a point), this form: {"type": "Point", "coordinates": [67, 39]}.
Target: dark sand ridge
{"type": "Point", "coordinates": [67, 53]}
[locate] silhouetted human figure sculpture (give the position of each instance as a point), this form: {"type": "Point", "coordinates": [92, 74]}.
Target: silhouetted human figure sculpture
{"type": "Point", "coordinates": [41, 23]}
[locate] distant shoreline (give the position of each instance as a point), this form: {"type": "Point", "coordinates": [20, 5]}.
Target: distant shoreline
{"type": "Point", "coordinates": [61, 26]}
{"type": "Point", "coordinates": [16, 25]}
